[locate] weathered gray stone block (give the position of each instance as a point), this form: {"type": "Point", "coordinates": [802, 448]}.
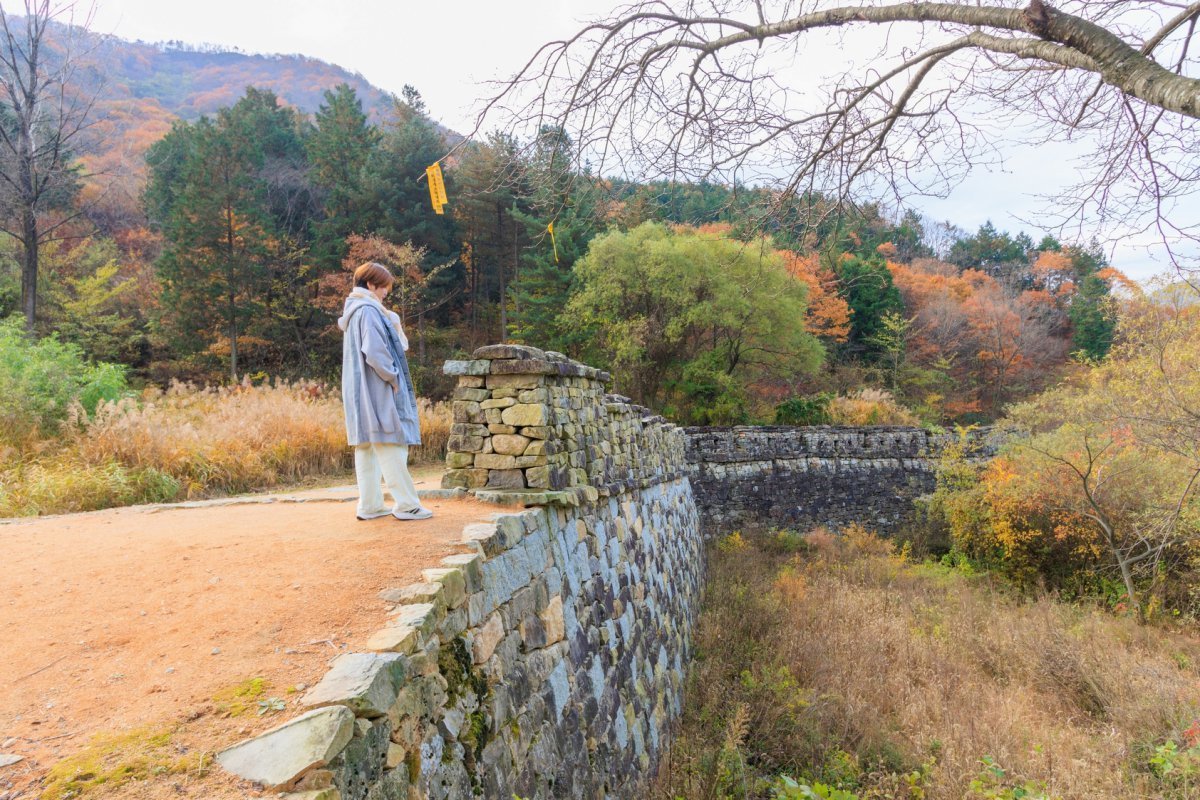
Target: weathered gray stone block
{"type": "Point", "coordinates": [506, 478]}
{"type": "Point", "coordinates": [475, 367]}
{"type": "Point", "coordinates": [363, 682]}
{"type": "Point", "coordinates": [284, 754]}
{"type": "Point", "coordinates": [496, 351]}
{"type": "Point", "coordinates": [525, 415]}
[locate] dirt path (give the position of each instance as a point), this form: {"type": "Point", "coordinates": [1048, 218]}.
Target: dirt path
{"type": "Point", "coordinates": [155, 625]}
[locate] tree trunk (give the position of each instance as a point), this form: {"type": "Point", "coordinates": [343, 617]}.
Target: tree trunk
{"type": "Point", "coordinates": [516, 271]}
{"type": "Point", "coordinates": [29, 268]}
{"type": "Point", "coordinates": [1130, 588]}
{"type": "Point", "coordinates": [500, 268]}
{"type": "Point", "coordinates": [421, 338]}
{"type": "Point", "coordinates": [233, 336]}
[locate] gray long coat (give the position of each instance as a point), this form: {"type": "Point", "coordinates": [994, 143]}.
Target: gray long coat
{"type": "Point", "coordinates": [377, 390]}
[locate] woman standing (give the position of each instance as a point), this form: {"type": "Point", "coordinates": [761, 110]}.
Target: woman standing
{"type": "Point", "coordinates": [378, 398]}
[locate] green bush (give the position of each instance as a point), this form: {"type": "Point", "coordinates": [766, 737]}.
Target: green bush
{"type": "Point", "coordinates": [708, 395]}
{"type": "Point", "coordinates": [65, 486]}
{"type": "Point", "coordinates": [810, 410]}
{"type": "Point", "coordinates": [40, 380]}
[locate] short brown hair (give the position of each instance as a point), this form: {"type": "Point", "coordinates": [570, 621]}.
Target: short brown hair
{"type": "Point", "coordinates": [373, 274]}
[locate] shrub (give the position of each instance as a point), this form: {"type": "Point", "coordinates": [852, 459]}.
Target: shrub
{"type": "Point", "coordinates": [40, 380]}
{"type": "Point", "coordinates": [878, 678]}
{"type": "Point", "coordinates": [708, 395]}
{"type": "Point", "coordinates": [812, 409]}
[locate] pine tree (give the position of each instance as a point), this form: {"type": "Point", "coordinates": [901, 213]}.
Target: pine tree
{"type": "Point", "coordinates": [397, 195]}
{"type": "Point", "coordinates": [488, 184]}
{"type": "Point", "coordinates": [866, 285]}
{"type": "Point", "coordinates": [233, 212]}
{"type": "Point", "coordinates": [568, 200]}
{"type": "Point", "coordinates": [338, 151]}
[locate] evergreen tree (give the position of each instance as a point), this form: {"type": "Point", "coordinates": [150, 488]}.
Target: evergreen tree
{"type": "Point", "coordinates": [230, 200]}
{"type": "Point", "coordinates": [1092, 313]}
{"type": "Point", "coordinates": [568, 200]}
{"type": "Point", "coordinates": [338, 151]}
{"type": "Point", "coordinates": [488, 181]}
{"type": "Point", "coordinates": [866, 285]}
{"type": "Point", "coordinates": [397, 204]}
{"type": "Point", "coordinates": [995, 252]}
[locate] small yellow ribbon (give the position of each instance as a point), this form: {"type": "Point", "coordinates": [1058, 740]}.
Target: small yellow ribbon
{"type": "Point", "coordinates": [550, 229]}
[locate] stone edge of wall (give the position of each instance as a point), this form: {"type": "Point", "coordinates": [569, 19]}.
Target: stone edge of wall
{"type": "Point", "coordinates": [361, 688]}
{"type": "Point", "coordinates": [533, 427]}
{"type": "Point", "coordinates": [800, 476]}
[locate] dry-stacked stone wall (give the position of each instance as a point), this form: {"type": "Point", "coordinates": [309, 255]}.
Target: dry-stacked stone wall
{"type": "Point", "coordinates": [548, 662]}
{"type": "Point", "coordinates": [805, 476]}
{"type": "Point", "coordinates": [526, 419]}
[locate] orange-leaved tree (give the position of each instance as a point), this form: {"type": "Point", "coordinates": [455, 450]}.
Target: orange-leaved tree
{"type": "Point", "coordinates": [1110, 465]}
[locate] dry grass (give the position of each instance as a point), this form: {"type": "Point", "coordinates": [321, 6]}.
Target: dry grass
{"type": "Point", "coordinates": [870, 407]}
{"type": "Point", "coordinates": [436, 419]}
{"type": "Point", "coordinates": [851, 666]}
{"type": "Point", "coordinates": [190, 442]}
{"type": "Point", "coordinates": [230, 439]}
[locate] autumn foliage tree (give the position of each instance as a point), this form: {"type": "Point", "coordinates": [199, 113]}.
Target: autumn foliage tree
{"type": "Point", "coordinates": [1105, 482]}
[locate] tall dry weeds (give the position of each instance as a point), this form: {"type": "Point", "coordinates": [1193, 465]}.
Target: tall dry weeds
{"type": "Point", "coordinates": [870, 407]}
{"type": "Point", "coordinates": [859, 668]}
{"type": "Point", "coordinates": [189, 442]}
{"type": "Point", "coordinates": [436, 419]}
{"type": "Point", "coordinates": [226, 439]}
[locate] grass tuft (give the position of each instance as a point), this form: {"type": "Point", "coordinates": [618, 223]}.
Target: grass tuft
{"type": "Point", "coordinates": [111, 760]}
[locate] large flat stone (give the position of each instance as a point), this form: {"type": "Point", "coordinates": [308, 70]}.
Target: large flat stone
{"type": "Point", "coordinates": [395, 639]}
{"type": "Point", "coordinates": [510, 444]}
{"type": "Point", "coordinates": [282, 755]}
{"type": "Point", "coordinates": [506, 478]}
{"type": "Point", "coordinates": [494, 351]}
{"type": "Point", "coordinates": [495, 461]}
{"type": "Point", "coordinates": [363, 682]}
{"type": "Point", "coordinates": [526, 366]}
{"type": "Point", "coordinates": [515, 382]}
{"type": "Point", "coordinates": [466, 367]}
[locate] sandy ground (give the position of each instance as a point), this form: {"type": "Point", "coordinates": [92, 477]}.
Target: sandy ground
{"type": "Point", "coordinates": [143, 621]}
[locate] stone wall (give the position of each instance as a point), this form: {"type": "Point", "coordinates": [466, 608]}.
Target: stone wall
{"type": "Point", "coordinates": [805, 476]}
{"type": "Point", "coordinates": [550, 661]}
{"type": "Point", "coordinates": [525, 419]}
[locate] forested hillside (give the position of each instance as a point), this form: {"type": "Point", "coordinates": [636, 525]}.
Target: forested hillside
{"type": "Point", "coordinates": [220, 200]}
{"type": "Point", "coordinates": [140, 89]}
{"type": "Point", "coordinates": [190, 81]}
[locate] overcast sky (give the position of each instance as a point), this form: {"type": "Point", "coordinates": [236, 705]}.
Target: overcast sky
{"type": "Point", "coordinates": [448, 49]}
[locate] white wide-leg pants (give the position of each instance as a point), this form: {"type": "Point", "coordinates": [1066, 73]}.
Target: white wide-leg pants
{"type": "Point", "coordinates": [392, 461]}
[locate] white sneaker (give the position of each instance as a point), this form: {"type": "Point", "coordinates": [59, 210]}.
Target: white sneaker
{"type": "Point", "coordinates": [413, 513]}
{"type": "Point", "coordinates": [365, 515]}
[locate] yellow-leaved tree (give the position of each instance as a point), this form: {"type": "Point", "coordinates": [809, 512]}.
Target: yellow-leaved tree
{"type": "Point", "coordinates": [1106, 474]}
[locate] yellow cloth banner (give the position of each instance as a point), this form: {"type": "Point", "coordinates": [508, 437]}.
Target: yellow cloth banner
{"type": "Point", "coordinates": [437, 187]}
{"type": "Point", "coordinates": [550, 229]}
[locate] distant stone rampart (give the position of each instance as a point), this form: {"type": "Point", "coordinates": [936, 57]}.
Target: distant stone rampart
{"type": "Point", "coordinates": [804, 476]}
